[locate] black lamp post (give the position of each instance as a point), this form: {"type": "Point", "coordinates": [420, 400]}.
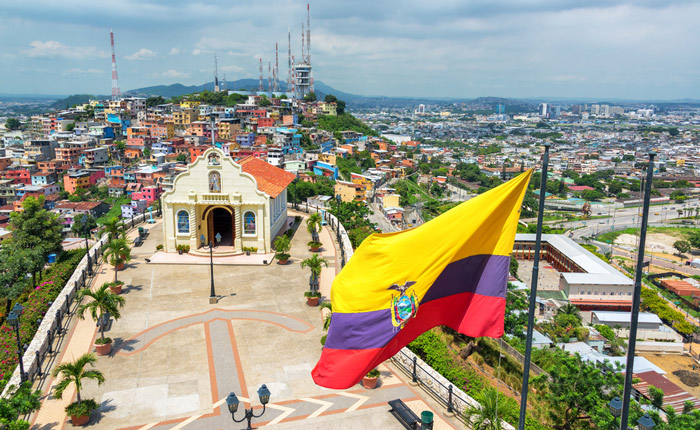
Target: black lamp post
{"type": "Point", "coordinates": [87, 247]}
{"type": "Point", "coordinates": [13, 319]}
{"type": "Point", "coordinates": [295, 182]}
{"type": "Point", "coordinates": [232, 402]}
{"type": "Point", "coordinates": [212, 293]}
{"type": "Point", "coordinates": [337, 219]}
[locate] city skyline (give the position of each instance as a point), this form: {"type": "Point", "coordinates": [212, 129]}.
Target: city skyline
{"type": "Point", "coordinates": [545, 49]}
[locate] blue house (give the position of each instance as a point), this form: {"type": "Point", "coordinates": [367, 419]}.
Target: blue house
{"type": "Point", "coordinates": [325, 169]}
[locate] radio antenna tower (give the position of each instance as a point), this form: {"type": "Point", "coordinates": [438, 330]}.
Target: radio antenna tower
{"type": "Point", "coordinates": [289, 59]}
{"type": "Point", "coordinates": [294, 77]}
{"type": "Point", "coordinates": [269, 77]}
{"type": "Point", "coordinates": [116, 93]}
{"type": "Point", "coordinates": [308, 36]}
{"type": "Point", "coordinates": [260, 85]}
{"type": "Point", "coordinates": [303, 50]}
{"type": "Point", "coordinates": [277, 69]}
{"type": "Point", "coordinates": [216, 74]}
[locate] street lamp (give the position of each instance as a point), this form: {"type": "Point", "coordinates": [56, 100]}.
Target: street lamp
{"type": "Point", "coordinates": [212, 293]}
{"type": "Point", "coordinates": [337, 219]}
{"type": "Point", "coordinates": [13, 319]}
{"type": "Point", "coordinates": [232, 403]}
{"type": "Point", "coordinates": [646, 423]}
{"type": "Point", "coordinates": [295, 182]}
{"type": "Point", "coordinates": [87, 247]}
{"type": "Point", "coordinates": [615, 406]}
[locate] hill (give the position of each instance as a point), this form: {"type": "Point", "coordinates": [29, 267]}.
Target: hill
{"type": "Point", "coordinates": [75, 99]}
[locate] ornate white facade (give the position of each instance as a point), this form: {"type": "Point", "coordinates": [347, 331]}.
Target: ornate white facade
{"type": "Point", "coordinates": [217, 201]}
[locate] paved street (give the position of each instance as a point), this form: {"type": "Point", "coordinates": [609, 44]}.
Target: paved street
{"type": "Point", "coordinates": [176, 357]}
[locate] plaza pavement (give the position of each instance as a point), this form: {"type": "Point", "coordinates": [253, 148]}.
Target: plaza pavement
{"type": "Point", "coordinates": [175, 357]}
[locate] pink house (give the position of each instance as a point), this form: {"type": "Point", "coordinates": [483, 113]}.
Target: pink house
{"type": "Point", "coordinates": [150, 194]}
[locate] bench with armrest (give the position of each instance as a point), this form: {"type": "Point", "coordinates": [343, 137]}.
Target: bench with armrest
{"type": "Point", "coordinates": [405, 415]}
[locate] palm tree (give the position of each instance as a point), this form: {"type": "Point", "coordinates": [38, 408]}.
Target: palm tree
{"type": "Point", "coordinates": [103, 300]}
{"type": "Point", "coordinates": [282, 245]}
{"type": "Point", "coordinates": [114, 228]}
{"type": "Point", "coordinates": [313, 223]}
{"type": "Point", "coordinates": [117, 253]}
{"type": "Point", "coordinates": [486, 417]}
{"type": "Point", "coordinates": [74, 373]}
{"type": "Point", "coordinates": [569, 309]}
{"type": "Point", "coordinates": [315, 263]}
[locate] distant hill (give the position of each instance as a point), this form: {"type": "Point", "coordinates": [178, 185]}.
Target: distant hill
{"type": "Point", "coordinates": [75, 99]}
{"type": "Point", "coordinates": [175, 90]}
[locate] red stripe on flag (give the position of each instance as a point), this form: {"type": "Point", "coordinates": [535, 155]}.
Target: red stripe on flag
{"type": "Point", "coordinates": [471, 314]}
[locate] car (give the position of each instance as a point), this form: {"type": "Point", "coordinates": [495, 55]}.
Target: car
{"type": "Point", "coordinates": [656, 213]}
{"type": "Point", "coordinates": [601, 222]}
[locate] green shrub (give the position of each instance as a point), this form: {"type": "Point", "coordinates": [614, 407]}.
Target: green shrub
{"type": "Point", "coordinates": [81, 409]}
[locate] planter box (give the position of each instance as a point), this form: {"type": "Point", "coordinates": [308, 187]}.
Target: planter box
{"type": "Point", "coordinates": [312, 301]}
{"type": "Point", "coordinates": [80, 421]}
{"type": "Point", "coordinates": [370, 383]}
{"type": "Point", "coordinates": [116, 289]}
{"type": "Point", "coordinates": [103, 349]}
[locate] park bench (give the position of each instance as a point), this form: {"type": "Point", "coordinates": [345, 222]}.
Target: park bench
{"type": "Point", "coordinates": [405, 415]}
{"type": "Point", "coordinates": [104, 321]}
{"type": "Point", "coordinates": [138, 241]}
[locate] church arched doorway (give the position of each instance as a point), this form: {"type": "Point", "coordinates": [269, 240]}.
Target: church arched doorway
{"type": "Point", "coordinates": [220, 221]}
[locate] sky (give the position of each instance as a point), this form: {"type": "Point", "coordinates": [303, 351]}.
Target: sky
{"type": "Point", "coordinates": [642, 49]}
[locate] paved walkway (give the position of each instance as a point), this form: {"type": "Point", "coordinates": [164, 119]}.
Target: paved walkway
{"type": "Point", "coordinates": [176, 357]}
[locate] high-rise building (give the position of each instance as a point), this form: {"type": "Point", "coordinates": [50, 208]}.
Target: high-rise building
{"type": "Point", "coordinates": [544, 110]}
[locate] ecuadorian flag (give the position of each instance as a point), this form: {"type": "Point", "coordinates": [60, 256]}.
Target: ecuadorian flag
{"type": "Point", "coordinates": [450, 271]}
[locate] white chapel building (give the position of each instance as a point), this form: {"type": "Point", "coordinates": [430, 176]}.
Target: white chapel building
{"type": "Point", "coordinates": [232, 204]}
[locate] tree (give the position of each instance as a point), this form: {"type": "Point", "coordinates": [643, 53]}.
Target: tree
{"type": "Point", "coordinates": [182, 158]}
{"type": "Point", "coordinates": [311, 97]}
{"type": "Point", "coordinates": [13, 124]}
{"type": "Point", "coordinates": [79, 226]}
{"type": "Point", "coordinates": [117, 252]}
{"type": "Point", "coordinates": [75, 373]}
{"type": "Point", "coordinates": [264, 101]}
{"type": "Point", "coordinates": [14, 266]}
{"type": "Point", "coordinates": [656, 395]}
{"type": "Point", "coordinates": [339, 104]}
{"type": "Point", "coordinates": [694, 239]}
{"type": "Point", "coordinates": [575, 390]}
{"type": "Point", "coordinates": [489, 415]}
{"type": "Point", "coordinates": [154, 101]}
{"type": "Point", "coordinates": [70, 127]}
{"type": "Point", "coordinates": [36, 228]}
{"type": "Point", "coordinates": [313, 223]}
{"type": "Point", "coordinates": [146, 153]}
{"type": "Point", "coordinates": [282, 245]}
{"type": "Point", "coordinates": [682, 246]}
{"type": "Point", "coordinates": [103, 301]}
{"type": "Point", "coordinates": [19, 402]}
{"type": "Point", "coordinates": [120, 145]}
{"type": "Point", "coordinates": [315, 263]}
{"type": "Point", "coordinates": [115, 228]}
{"type": "Point", "coordinates": [673, 131]}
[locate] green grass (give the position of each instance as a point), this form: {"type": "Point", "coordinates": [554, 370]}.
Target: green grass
{"type": "Point", "coordinates": [115, 210]}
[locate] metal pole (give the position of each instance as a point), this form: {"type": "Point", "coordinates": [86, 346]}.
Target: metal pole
{"type": "Point", "coordinates": [629, 370]}
{"type": "Point", "coordinates": [533, 289]}
{"type": "Point", "coordinates": [212, 293]}
{"type": "Point", "coordinates": [23, 376]}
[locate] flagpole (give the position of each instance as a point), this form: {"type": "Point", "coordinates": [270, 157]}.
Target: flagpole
{"type": "Point", "coordinates": [629, 370]}
{"type": "Point", "coordinates": [533, 289]}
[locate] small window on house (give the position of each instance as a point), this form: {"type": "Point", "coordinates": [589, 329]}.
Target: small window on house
{"type": "Point", "coordinates": [249, 223]}
{"type": "Point", "coordinates": [183, 222]}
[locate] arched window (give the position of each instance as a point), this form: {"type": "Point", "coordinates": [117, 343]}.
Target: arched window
{"type": "Point", "coordinates": [183, 222]}
{"type": "Point", "coordinates": [249, 223]}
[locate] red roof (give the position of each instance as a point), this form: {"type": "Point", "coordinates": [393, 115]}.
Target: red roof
{"type": "Point", "coordinates": [580, 188]}
{"type": "Point", "coordinates": [271, 180]}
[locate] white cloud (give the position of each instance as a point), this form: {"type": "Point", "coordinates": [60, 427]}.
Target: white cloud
{"type": "Point", "coordinates": [172, 73]}
{"type": "Point", "coordinates": [82, 72]}
{"type": "Point", "coordinates": [54, 49]}
{"type": "Point", "coordinates": [174, 51]}
{"type": "Point", "coordinates": [196, 52]}
{"type": "Point", "coordinates": [141, 54]}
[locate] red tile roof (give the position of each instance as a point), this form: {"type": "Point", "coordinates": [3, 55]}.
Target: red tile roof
{"type": "Point", "coordinates": [271, 180]}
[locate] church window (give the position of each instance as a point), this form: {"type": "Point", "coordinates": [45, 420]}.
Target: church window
{"type": "Point", "coordinates": [249, 223]}
{"type": "Point", "coordinates": [183, 222]}
{"type": "Point", "coordinates": [214, 182]}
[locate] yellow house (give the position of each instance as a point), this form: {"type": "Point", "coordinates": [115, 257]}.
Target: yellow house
{"type": "Point", "coordinates": [327, 157]}
{"type": "Point", "coordinates": [390, 201]}
{"type": "Point", "coordinates": [327, 109]}
{"type": "Point", "coordinates": [349, 192]}
{"type": "Point", "coordinates": [184, 117]}
{"type": "Point", "coordinates": [189, 104]}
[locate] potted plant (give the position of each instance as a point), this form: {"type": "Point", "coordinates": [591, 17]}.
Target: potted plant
{"type": "Point", "coordinates": [315, 263]}
{"type": "Point", "coordinates": [313, 223]}
{"type": "Point", "coordinates": [114, 228]}
{"type": "Point", "coordinates": [312, 297]}
{"type": "Point", "coordinates": [103, 301]}
{"type": "Point", "coordinates": [116, 287]}
{"type": "Point", "coordinates": [159, 247]}
{"type": "Point", "coordinates": [282, 245]}
{"type": "Point", "coordinates": [74, 373]}
{"type": "Point", "coordinates": [314, 245]}
{"type": "Point", "coordinates": [369, 381]}
{"type": "Point", "coordinates": [185, 249]}
{"type": "Point", "coordinates": [117, 252]}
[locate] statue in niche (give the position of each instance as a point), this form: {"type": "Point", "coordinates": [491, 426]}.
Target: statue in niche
{"type": "Point", "coordinates": [214, 182]}
{"type": "Point", "coordinates": [214, 160]}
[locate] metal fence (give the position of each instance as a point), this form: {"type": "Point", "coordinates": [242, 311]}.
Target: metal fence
{"type": "Point", "coordinates": [341, 235]}
{"type": "Point", "coordinates": [42, 352]}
